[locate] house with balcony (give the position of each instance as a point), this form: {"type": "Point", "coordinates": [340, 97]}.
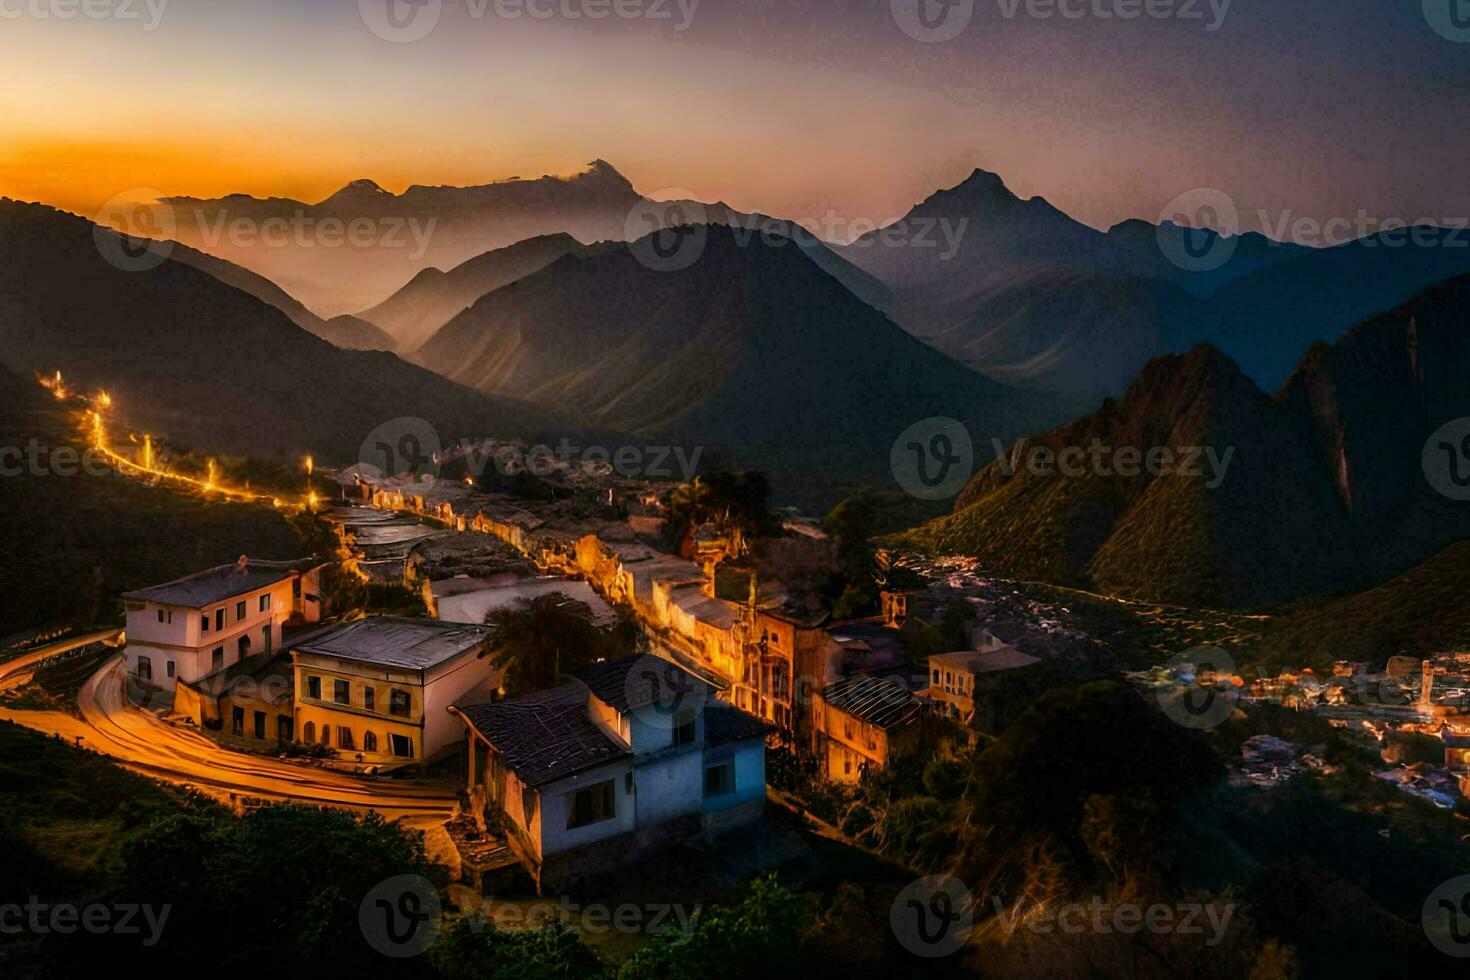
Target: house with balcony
{"type": "Point", "coordinates": [183, 631]}
{"type": "Point", "coordinates": [612, 767]}
{"type": "Point", "coordinates": [378, 690]}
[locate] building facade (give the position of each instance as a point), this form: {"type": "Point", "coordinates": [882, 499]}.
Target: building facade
{"type": "Point", "coordinates": [595, 774]}
{"type": "Point", "coordinates": [379, 690]}
{"type": "Point", "coordinates": [202, 624]}
{"type": "Point", "coordinates": [863, 722]}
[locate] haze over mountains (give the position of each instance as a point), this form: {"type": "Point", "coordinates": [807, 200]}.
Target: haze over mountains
{"type": "Point", "coordinates": [752, 348]}
{"type": "Point", "coordinates": [1325, 487]}
{"type": "Point", "coordinates": [203, 362]}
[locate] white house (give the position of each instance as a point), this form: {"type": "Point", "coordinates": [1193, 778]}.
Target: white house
{"type": "Point", "coordinates": [201, 624]}
{"type": "Point", "coordinates": [595, 774]}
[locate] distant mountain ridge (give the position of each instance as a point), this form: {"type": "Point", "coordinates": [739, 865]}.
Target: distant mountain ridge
{"type": "Point", "coordinates": [204, 363]}
{"type": "Point", "coordinates": [1118, 298]}
{"type": "Point", "coordinates": [753, 349]}
{"type": "Point", "coordinates": [1326, 489]}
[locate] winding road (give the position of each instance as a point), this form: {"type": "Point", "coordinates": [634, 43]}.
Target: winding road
{"type": "Point", "coordinates": [114, 726]}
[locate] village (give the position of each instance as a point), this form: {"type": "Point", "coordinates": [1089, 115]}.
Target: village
{"type": "Point", "coordinates": [735, 661]}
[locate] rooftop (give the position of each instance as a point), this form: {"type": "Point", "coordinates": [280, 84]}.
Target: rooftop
{"type": "Point", "coordinates": [984, 661]}
{"type": "Point", "coordinates": [874, 700]}
{"type": "Point", "coordinates": [637, 681]}
{"type": "Point", "coordinates": [224, 582]}
{"type": "Point", "coordinates": [545, 736]}
{"type": "Point", "coordinates": [725, 723]}
{"type": "Point", "coordinates": [415, 644]}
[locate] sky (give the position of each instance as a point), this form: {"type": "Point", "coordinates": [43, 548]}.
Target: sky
{"type": "Point", "coordinates": [828, 112]}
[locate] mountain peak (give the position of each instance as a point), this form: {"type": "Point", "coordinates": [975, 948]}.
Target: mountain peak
{"type": "Point", "coordinates": [358, 190]}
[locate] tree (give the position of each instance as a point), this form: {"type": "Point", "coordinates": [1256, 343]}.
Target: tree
{"type": "Point", "coordinates": [469, 948]}
{"type": "Point", "coordinates": [538, 640]}
{"type": "Point", "coordinates": [734, 501]}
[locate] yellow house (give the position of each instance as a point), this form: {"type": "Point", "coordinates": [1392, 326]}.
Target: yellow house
{"type": "Point", "coordinates": [982, 688]}
{"type": "Point", "coordinates": [379, 690]}
{"type": "Point", "coordinates": [862, 721]}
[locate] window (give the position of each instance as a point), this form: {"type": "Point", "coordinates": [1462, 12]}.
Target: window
{"type": "Point", "coordinates": [308, 732]}
{"type": "Point", "coordinates": [265, 635]}
{"type": "Point", "coordinates": [369, 698]}
{"type": "Point", "coordinates": [398, 703]}
{"type": "Point", "coordinates": [326, 734]}
{"type": "Point", "coordinates": [265, 602]}
{"type": "Point", "coordinates": [260, 724]}
{"type": "Point", "coordinates": [684, 729]}
{"type": "Point", "coordinates": [242, 647]}
{"type": "Point", "coordinates": [283, 728]}
{"type": "Point", "coordinates": [590, 805]}
{"type": "Point", "coordinates": [219, 618]}
{"type": "Point", "coordinates": [847, 765]}
{"type": "Point", "coordinates": [719, 780]}
{"type": "Point", "coordinates": [169, 668]}
{"type": "Point", "coordinates": [369, 742]}
{"type": "Point", "coordinates": [239, 611]}
{"type": "Point", "coordinates": [204, 623]}
{"type": "Point", "coordinates": [344, 738]}
{"type": "Point", "coordinates": [935, 679]}
{"type": "Point", "coordinates": [314, 688]}
{"type": "Point", "coordinates": [237, 721]}
{"type": "Point", "coordinates": [160, 615]}
{"type": "Point", "coordinates": [145, 669]}
{"type": "Point", "coordinates": [402, 746]}
{"type": "Point", "coordinates": [340, 692]}
{"type": "Point", "coordinates": [217, 659]}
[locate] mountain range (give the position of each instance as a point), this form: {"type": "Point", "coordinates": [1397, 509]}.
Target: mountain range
{"type": "Point", "coordinates": [1324, 489]}
{"type": "Point", "coordinates": [753, 349]}
{"type": "Point", "coordinates": [1030, 296]}
{"type": "Point", "coordinates": [194, 358]}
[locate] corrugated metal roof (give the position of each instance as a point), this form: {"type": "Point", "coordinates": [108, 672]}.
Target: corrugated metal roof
{"type": "Point", "coordinates": [875, 700]}
{"type": "Point", "coordinates": [416, 644]}
{"type": "Point", "coordinates": [545, 736]}
{"type": "Point", "coordinates": [221, 583]}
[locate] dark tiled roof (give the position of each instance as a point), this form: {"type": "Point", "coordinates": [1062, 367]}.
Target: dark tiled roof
{"type": "Point", "coordinates": [637, 681]}
{"type": "Point", "coordinates": [545, 736]}
{"type": "Point", "coordinates": [224, 582]}
{"type": "Point", "coordinates": [874, 700]}
{"type": "Point", "coordinates": [725, 723]}
{"type": "Point", "coordinates": [416, 644]}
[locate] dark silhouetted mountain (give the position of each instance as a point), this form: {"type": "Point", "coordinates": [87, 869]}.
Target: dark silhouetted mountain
{"type": "Point", "coordinates": [1034, 298]}
{"type": "Point", "coordinates": [1325, 490]}
{"type": "Point", "coordinates": [433, 297]}
{"type": "Point", "coordinates": [751, 349]}
{"type": "Point", "coordinates": [204, 363]}
{"type": "Point", "coordinates": [1268, 319]}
